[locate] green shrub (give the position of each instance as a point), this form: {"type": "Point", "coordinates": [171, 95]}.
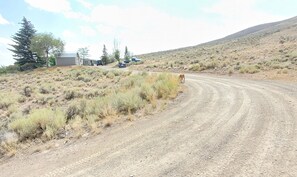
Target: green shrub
{"type": "Point", "coordinates": [116, 72]}
{"type": "Point", "coordinates": [230, 71]}
{"type": "Point", "coordinates": [195, 67]}
{"type": "Point", "coordinates": [40, 122]}
{"type": "Point", "coordinates": [110, 75]}
{"type": "Point", "coordinates": [21, 99]}
{"type": "Point", "coordinates": [76, 108]}
{"type": "Point", "coordinates": [83, 78]}
{"type": "Point", "coordinates": [71, 94]}
{"type": "Point", "coordinates": [45, 89]}
{"type": "Point", "coordinates": [105, 72]}
{"type": "Point", "coordinates": [293, 54]}
{"type": "Point", "coordinates": [212, 64]}
{"type": "Point", "coordinates": [166, 86]}
{"type": "Point", "coordinates": [194, 62]}
{"type": "Point", "coordinates": [147, 92]}
{"type": "Point", "coordinates": [128, 102]}
{"type": "Point", "coordinates": [276, 65]}
{"type": "Point", "coordinates": [101, 107]}
{"type": "Point", "coordinates": [250, 69]}
{"type": "Point", "coordinates": [27, 91]}
{"type": "Point", "coordinates": [132, 81]}
{"type": "Point", "coordinates": [7, 99]}
{"type": "Point", "coordinates": [9, 69]}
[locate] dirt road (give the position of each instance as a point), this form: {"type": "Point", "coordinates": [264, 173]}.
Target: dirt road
{"type": "Point", "coordinates": [222, 127]}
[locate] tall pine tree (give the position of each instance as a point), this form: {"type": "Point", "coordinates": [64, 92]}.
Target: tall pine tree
{"type": "Point", "coordinates": [127, 55]}
{"type": "Point", "coordinates": [104, 57]}
{"type": "Point", "coordinates": [22, 39]}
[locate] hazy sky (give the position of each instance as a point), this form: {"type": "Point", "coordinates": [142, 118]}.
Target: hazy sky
{"type": "Point", "coordinates": [144, 26]}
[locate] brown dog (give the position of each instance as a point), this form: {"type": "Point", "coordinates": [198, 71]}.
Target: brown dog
{"type": "Point", "coordinates": [182, 78]}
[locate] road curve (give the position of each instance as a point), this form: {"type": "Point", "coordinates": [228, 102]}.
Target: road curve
{"type": "Point", "coordinates": [222, 127]}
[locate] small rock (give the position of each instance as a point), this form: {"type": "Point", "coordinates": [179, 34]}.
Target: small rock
{"type": "Point", "coordinates": [9, 137]}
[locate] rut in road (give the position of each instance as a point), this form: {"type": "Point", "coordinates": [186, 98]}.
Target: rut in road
{"type": "Point", "coordinates": [223, 127]}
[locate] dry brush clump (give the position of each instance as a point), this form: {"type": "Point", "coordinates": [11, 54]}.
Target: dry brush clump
{"type": "Point", "coordinates": [7, 99]}
{"type": "Point", "coordinates": [40, 122]}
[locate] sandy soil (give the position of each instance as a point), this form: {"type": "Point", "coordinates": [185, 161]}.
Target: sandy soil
{"type": "Point", "coordinates": [221, 127]}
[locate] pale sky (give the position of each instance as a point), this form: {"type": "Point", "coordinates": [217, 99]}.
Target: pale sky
{"type": "Point", "coordinates": [144, 26]}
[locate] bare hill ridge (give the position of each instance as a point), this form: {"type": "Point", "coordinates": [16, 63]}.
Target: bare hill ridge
{"type": "Point", "coordinates": [267, 27]}
{"type": "Point", "coordinates": [262, 48]}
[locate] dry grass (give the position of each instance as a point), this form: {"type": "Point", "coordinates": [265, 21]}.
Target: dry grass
{"type": "Point", "coordinates": [71, 102]}
{"type": "Point", "coordinates": [41, 122]}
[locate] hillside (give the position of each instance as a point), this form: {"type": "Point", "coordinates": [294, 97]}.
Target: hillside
{"type": "Point", "coordinates": [259, 49]}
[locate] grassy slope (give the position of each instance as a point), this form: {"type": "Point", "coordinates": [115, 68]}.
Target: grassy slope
{"type": "Point", "coordinates": [263, 48]}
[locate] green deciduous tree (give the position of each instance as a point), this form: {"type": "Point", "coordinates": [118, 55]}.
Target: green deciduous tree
{"type": "Point", "coordinates": [22, 41]}
{"type": "Point", "coordinates": [45, 44]}
{"type": "Point", "coordinates": [83, 53]}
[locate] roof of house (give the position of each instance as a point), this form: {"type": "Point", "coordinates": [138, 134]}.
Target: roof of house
{"type": "Point", "coordinates": [68, 55]}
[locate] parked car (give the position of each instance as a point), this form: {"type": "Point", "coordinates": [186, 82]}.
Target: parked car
{"type": "Point", "coordinates": [122, 65]}
{"type": "Point", "coordinates": [127, 61]}
{"type": "Point", "coordinates": [135, 59]}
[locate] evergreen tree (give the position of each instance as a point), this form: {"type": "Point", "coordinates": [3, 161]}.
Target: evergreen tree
{"type": "Point", "coordinates": [22, 41]}
{"type": "Point", "coordinates": [117, 55]}
{"type": "Point", "coordinates": [116, 51]}
{"type": "Point", "coordinates": [127, 54]}
{"type": "Point", "coordinates": [104, 57]}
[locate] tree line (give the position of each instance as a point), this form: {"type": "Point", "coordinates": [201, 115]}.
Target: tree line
{"type": "Point", "coordinates": [105, 57]}
{"type": "Point", "coordinates": [32, 49]}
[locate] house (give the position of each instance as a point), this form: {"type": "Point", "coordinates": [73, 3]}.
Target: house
{"type": "Point", "coordinates": [68, 59]}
